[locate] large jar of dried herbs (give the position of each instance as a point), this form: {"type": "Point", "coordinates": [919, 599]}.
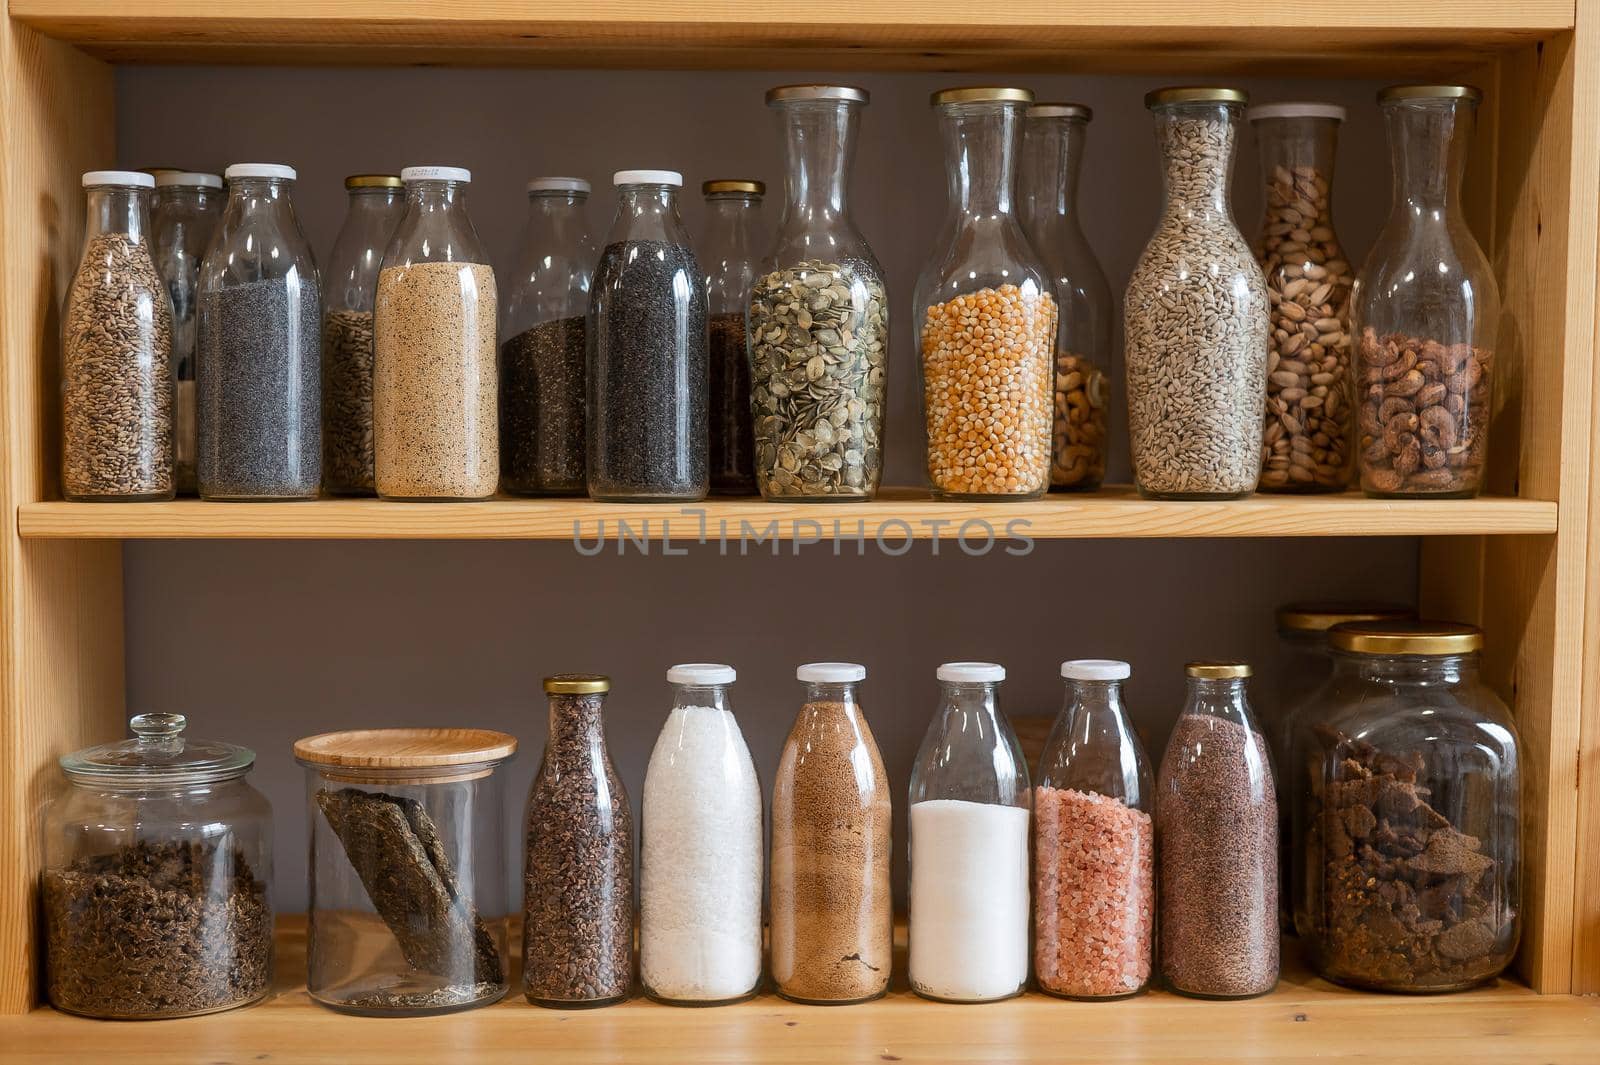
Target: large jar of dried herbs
{"type": "Point", "coordinates": [157, 865]}
{"type": "Point", "coordinates": [819, 316]}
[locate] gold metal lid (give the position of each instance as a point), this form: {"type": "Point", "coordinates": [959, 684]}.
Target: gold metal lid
{"type": "Point", "coordinates": [1406, 638]}
{"type": "Point", "coordinates": [1195, 94]}
{"type": "Point", "coordinates": [577, 684]}
{"type": "Point", "coordinates": [748, 187]}
{"type": "Point", "coordinates": [1218, 670]}
{"type": "Point", "coordinates": [845, 93]}
{"type": "Point", "coordinates": [1059, 110]}
{"type": "Point", "coordinates": [373, 181]}
{"type": "Point", "coordinates": [1320, 617]}
{"type": "Point", "coordinates": [981, 94]}
{"type": "Point", "coordinates": [1430, 92]}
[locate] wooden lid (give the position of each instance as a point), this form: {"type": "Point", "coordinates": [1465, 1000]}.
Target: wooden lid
{"type": "Point", "coordinates": [405, 748]}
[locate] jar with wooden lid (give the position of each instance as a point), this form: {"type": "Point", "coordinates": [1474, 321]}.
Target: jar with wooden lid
{"type": "Point", "coordinates": [407, 869]}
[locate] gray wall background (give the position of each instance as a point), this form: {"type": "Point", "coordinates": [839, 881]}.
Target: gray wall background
{"type": "Point", "coordinates": [260, 643]}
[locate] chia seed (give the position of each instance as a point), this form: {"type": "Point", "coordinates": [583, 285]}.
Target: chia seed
{"type": "Point", "coordinates": [732, 432]}
{"type": "Point", "coordinates": [541, 409]}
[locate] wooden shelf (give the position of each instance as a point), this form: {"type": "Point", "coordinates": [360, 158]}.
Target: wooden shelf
{"type": "Point", "coordinates": [1215, 35]}
{"type": "Point", "coordinates": [1305, 1018]}
{"type": "Point", "coordinates": [892, 517]}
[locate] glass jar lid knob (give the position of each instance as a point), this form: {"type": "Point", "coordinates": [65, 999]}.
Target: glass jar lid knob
{"type": "Point", "coordinates": [158, 730]}
{"type": "Point", "coordinates": [158, 754]}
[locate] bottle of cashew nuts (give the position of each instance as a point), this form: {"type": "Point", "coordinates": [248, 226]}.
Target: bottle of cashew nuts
{"type": "Point", "coordinates": [1307, 439]}
{"type": "Point", "coordinates": [1425, 310]}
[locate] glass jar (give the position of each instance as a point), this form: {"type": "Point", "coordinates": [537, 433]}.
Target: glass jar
{"type": "Point", "coordinates": [647, 351]}
{"type": "Point", "coordinates": [1217, 821]}
{"type": "Point", "coordinates": [1196, 315]}
{"type": "Point", "coordinates": [376, 204]}
{"type": "Point", "coordinates": [116, 352]}
{"type": "Point", "coordinates": [832, 915]}
{"type": "Point", "coordinates": [408, 869]}
{"type": "Point", "coordinates": [986, 314]}
{"type": "Point", "coordinates": [577, 885]}
{"type": "Point", "coordinates": [1425, 310]}
{"type": "Point", "coordinates": [819, 315]}
{"type": "Point", "coordinates": [259, 377]}
{"type": "Point", "coordinates": [1052, 158]}
{"type": "Point", "coordinates": [700, 862]}
{"type": "Point", "coordinates": [1094, 844]}
{"type": "Point", "coordinates": [1413, 830]}
{"type": "Point", "coordinates": [435, 382]}
{"type": "Point", "coordinates": [969, 845]}
{"type": "Point", "coordinates": [732, 243]}
{"type": "Point", "coordinates": [184, 213]}
{"type": "Point", "coordinates": [544, 352]}
{"type": "Point", "coordinates": [1310, 418]}
{"type": "Point", "coordinates": [156, 891]}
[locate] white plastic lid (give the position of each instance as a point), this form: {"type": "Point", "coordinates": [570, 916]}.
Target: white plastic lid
{"type": "Point", "coordinates": [1096, 669]}
{"type": "Point", "coordinates": [831, 672]}
{"type": "Point", "coordinates": [1296, 109]}
{"type": "Point", "coordinates": [647, 177]}
{"type": "Point", "coordinates": [559, 184]}
{"type": "Point", "coordinates": [189, 180]}
{"type": "Point", "coordinates": [971, 672]}
{"type": "Point", "coordinates": [260, 170]}
{"type": "Point", "coordinates": [436, 173]}
{"type": "Point", "coordinates": [135, 178]}
{"type": "Point", "coordinates": [700, 674]}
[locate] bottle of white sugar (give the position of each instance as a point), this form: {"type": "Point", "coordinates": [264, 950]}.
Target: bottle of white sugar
{"type": "Point", "coordinates": [969, 845]}
{"type": "Point", "coordinates": [700, 871]}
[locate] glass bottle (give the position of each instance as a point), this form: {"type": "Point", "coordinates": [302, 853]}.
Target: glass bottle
{"type": "Point", "coordinates": [1052, 158]}
{"type": "Point", "coordinates": [732, 244]}
{"type": "Point", "coordinates": [1310, 417]}
{"type": "Point", "coordinates": [701, 856]}
{"type": "Point", "coordinates": [258, 381]}
{"type": "Point", "coordinates": [577, 897]}
{"type": "Point", "coordinates": [986, 314]}
{"type": "Point", "coordinates": [435, 378]}
{"type": "Point", "coordinates": [1195, 318]}
{"type": "Point", "coordinates": [832, 915]}
{"type": "Point", "coordinates": [1094, 844]}
{"type": "Point", "coordinates": [544, 353]}
{"type": "Point", "coordinates": [376, 203]}
{"type": "Point", "coordinates": [647, 351]}
{"type": "Point", "coordinates": [116, 352]}
{"type": "Point", "coordinates": [969, 845]}
{"type": "Point", "coordinates": [821, 294]}
{"type": "Point", "coordinates": [1412, 836]}
{"type": "Point", "coordinates": [157, 882]}
{"type": "Point", "coordinates": [1425, 310]}
{"type": "Point", "coordinates": [184, 213]}
{"type": "Point", "coordinates": [1217, 821]}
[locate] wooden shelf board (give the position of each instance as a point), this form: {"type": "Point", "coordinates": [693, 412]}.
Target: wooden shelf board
{"type": "Point", "coordinates": [1304, 1019]}
{"type": "Point", "coordinates": [1235, 36]}
{"type": "Point", "coordinates": [896, 514]}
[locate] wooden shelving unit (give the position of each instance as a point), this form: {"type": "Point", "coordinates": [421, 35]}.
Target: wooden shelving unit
{"type": "Point", "coordinates": [1519, 561]}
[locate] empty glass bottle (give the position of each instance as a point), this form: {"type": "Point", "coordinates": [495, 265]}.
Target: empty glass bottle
{"type": "Point", "coordinates": [733, 243]}
{"type": "Point", "coordinates": [183, 218]}
{"type": "Point", "coordinates": [544, 353]}
{"type": "Point", "coordinates": [1094, 844]}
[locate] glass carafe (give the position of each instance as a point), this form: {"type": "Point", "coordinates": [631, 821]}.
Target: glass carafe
{"type": "Point", "coordinates": [985, 314]}
{"type": "Point", "coordinates": [647, 351]}
{"type": "Point", "coordinates": [183, 218]}
{"type": "Point", "coordinates": [544, 346]}
{"type": "Point", "coordinates": [819, 315]}
{"type": "Point", "coordinates": [1052, 158]}
{"type": "Point", "coordinates": [1094, 844]}
{"type": "Point", "coordinates": [1217, 820]}
{"type": "Point", "coordinates": [376, 204]}
{"type": "Point", "coordinates": [1425, 310]}
{"type": "Point", "coordinates": [435, 379]}
{"type": "Point", "coordinates": [969, 845]}
{"type": "Point", "coordinates": [116, 352]}
{"type": "Point", "coordinates": [258, 381]}
{"type": "Point", "coordinates": [733, 243]}
{"type": "Point", "coordinates": [832, 916]}
{"type": "Point", "coordinates": [1195, 319]}
{"type": "Point", "coordinates": [577, 885]}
